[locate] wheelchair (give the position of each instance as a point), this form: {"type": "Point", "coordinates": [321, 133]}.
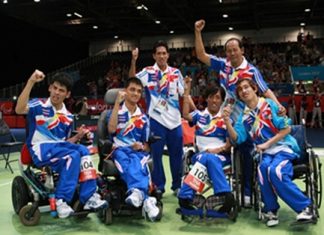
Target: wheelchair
{"type": "Point", "coordinates": [33, 191]}
{"type": "Point", "coordinates": [306, 168]}
{"type": "Point", "coordinates": [34, 188]}
{"type": "Point", "coordinates": [207, 205]}
{"type": "Point", "coordinates": [110, 185]}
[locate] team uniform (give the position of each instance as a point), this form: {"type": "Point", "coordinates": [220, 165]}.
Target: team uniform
{"type": "Point", "coordinates": [228, 77]}
{"type": "Point", "coordinates": [131, 164]}
{"type": "Point", "coordinates": [276, 170]}
{"type": "Point", "coordinates": [210, 133]}
{"type": "Point", "coordinates": [162, 90]}
{"type": "Point", "coordinates": [48, 131]}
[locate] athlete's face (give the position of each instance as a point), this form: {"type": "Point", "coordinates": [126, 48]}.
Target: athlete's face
{"type": "Point", "coordinates": [161, 57]}
{"type": "Point", "coordinates": [245, 91]}
{"type": "Point", "coordinates": [58, 94]}
{"type": "Point", "coordinates": [214, 102]}
{"type": "Point", "coordinates": [234, 53]}
{"type": "Point", "coordinates": [133, 93]}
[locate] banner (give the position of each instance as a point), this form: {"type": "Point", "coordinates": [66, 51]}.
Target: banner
{"type": "Point", "coordinates": [307, 73]}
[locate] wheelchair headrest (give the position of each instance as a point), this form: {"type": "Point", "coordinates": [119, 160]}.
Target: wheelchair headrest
{"type": "Point", "coordinates": [111, 95]}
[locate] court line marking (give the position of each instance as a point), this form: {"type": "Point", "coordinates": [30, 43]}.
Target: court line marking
{"type": "Point", "coordinates": [4, 184]}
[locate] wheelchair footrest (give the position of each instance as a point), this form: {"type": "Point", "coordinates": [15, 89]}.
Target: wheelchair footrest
{"type": "Point", "coordinates": [188, 212]}
{"type": "Point", "coordinates": [303, 222]}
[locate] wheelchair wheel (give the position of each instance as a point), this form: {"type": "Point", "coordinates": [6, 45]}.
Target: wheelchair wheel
{"type": "Point", "coordinates": [78, 209]}
{"type": "Point", "coordinates": [237, 177]}
{"type": "Point", "coordinates": [188, 219]}
{"type": "Point", "coordinates": [28, 220]}
{"type": "Point", "coordinates": [107, 216]}
{"type": "Point", "coordinates": [317, 180]}
{"type": "Point", "coordinates": [232, 215]}
{"type": "Point", "coordinates": [19, 194]}
{"type": "Point", "coordinates": [160, 206]}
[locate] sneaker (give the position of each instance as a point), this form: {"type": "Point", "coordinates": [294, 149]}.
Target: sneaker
{"type": "Point", "coordinates": [306, 214]}
{"type": "Point", "coordinates": [272, 219]}
{"type": "Point", "coordinates": [135, 198]}
{"type": "Point", "coordinates": [63, 209]}
{"type": "Point", "coordinates": [150, 208]}
{"type": "Point", "coordinates": [95, 203]}
{"type": "Point", "coordinates": [247, 201]}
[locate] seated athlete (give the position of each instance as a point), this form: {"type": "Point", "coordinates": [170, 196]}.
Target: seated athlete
{"type": "Point", "coordinates": [49, 143]}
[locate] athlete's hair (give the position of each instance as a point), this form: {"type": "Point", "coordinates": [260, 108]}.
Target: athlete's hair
{"type": "Point", "coordinates": [160, 43]}
{"type": "Point", "coordinates": [134, 80]}
{"type": "Point", "coordinates": [213, 90]}
{"type": "Point", "coordinates": [234, 39]}
{"type": "Point", "coordinates": [63, 79]}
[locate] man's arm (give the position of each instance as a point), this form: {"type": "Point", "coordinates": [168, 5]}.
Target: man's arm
{"type": "Point", "coordinates": [132, 68]}
{"type": "Point", "coordinates": [187, 100]}
{"type": "Point", "coordinates": [22, 101]}
{"type": "Point", "coordinates": [227, 110]}
{"type": "Point", "coordinates": [280, 135]}
{"type": "Point", "coordinates": [269, 94]}
{"type": "Point", "coordinates": [81, 131]}
{"type": "Point", "coordinates": [113, 121]}
{"type": "Point", "coordinates": [224, 148]}
{"type": "Point", "coordinates": [199, 45]}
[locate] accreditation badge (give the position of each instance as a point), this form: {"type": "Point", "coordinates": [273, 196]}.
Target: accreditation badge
{"type": "Point", "coordinates": [161, 106]}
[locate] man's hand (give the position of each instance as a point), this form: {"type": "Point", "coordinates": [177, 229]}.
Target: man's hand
{"type": "Point", "coordinates": [120, 97]}
{"type": "Point", "coordinates": [135, 53]}
{"type": "Point", "coordinates": [227, 110]}
{"type": "Point", "coordinates": [215, 150]}
{"type": "Point", "coordinates": [282, 111]}
{"type": "Point", "coordinates": [82, 131]}
{"type": "Point", "coordinates": [37, 76]}
{"type": "Point", "coordinates": [262, 147]}
{"type": "Point", "coordinates": [199, 25]}
{"type": "Point", "coordinates": [138, 146]}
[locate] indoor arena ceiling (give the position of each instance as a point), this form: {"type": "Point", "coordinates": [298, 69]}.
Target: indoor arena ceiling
{"type": "Point", "coordinates": [87, 20]}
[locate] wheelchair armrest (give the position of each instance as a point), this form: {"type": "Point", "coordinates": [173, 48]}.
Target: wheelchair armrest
{"type": "Point", "coordinates": [299, 170]}
{"type": "Point", "coordinates": [308, 145]}
{"type": "Point", "coordinates": [109, 168]}
{"type": "Point", "coordinates": [153, 138]}
{"type": "Point", "coordinates": [104, 146]}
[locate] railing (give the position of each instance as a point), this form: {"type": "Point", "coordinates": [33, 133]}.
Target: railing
{"type": "Point", "coordinates": [13, 91]}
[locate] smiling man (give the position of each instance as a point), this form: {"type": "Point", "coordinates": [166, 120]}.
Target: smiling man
{"type": "Point", "coordinates": [213, 147]}
{"type": "Point", "coordinates": [163, 87]}
{"type": "Point", "coordinates": [231, 69]}
{"type": "Point", "coordinates": [129, 127]}
{"type": "Point", "coordinates": [50, 143]}
{"type": "Point", "coordinates": [271, 135]}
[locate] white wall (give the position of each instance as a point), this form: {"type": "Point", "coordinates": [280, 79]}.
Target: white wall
{"type": "Point", "coordinates": [218, 38]}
